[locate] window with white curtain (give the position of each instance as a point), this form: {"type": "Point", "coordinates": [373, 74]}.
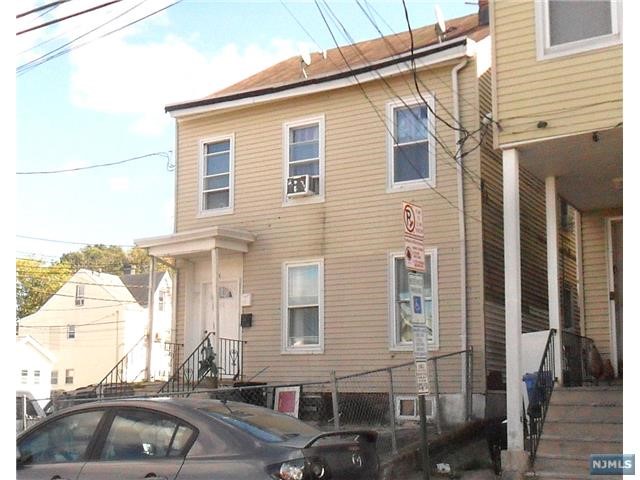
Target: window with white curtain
{"type": "Point", "coordinates": [216, 178]}
{"type": "Point", "coordinates": [303, 307]}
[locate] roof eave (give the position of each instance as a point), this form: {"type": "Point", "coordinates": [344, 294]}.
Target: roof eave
{"type": "Point", "coordinates": [424, 57]}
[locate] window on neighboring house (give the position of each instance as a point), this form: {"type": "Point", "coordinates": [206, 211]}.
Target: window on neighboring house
{"type": "Point", "coordinates": [400, 305]}
{"type": "Point", "coordinates": [71, 331]}
{"type": "Point", "coordinates": [36, 376]}
{"type": "Point", "coordinates": [303, 307]}
{"type": "Point", "coordinates": [54, 377]}
{"type": "Point", "coordinates": [568, 26]}
{"type": "Point", "coordinates": [68, 375]}
{"type": "Point", "coordinates": [217, 176]}
{"type": "Point", "coordinates": [24, 376]}
{"type": "Point", "coordinates": [79, 295]}
{"type": "Point", "coordinates": [305, 156]}
{"type": "Point", "coordinates": [161, 301]}
{"type": "Point", "coordinates": [411, 145]}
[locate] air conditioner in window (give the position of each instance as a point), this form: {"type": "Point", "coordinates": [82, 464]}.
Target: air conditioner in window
{"type": "Point", "coordinates": [299, 186]}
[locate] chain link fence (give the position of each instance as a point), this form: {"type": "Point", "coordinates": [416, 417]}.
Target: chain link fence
{"type": "Point", "coordinates": [383, 400]}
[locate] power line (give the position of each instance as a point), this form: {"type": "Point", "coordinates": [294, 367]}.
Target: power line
{"type": "Point", "coordinates": [43, 58]}
{"type": "Point", "coordinates": [120, 162]}
{"type": "Point", "coordinates": [71, 243]}
{"type": "Point", "coordinates": [376, 109]}
{"type": "Point", "coordinates": [57, 20]}
{"type": "Point", "coordinates": [37, 9]}
{"type": "Point", "coordinates": [421, 100]}
{"type": "Point", "coordinates": [28, 66]}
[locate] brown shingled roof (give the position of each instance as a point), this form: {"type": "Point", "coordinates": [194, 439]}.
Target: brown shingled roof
{"type": "Point", "coordinates": [289, 72]}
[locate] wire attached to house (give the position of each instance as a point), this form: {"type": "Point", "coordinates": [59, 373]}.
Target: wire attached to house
{"type": "Point", "coordinates": [166, 155]}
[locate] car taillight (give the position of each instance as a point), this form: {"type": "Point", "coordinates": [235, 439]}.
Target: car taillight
{"type": "Point", "coordinates": [299, 469]}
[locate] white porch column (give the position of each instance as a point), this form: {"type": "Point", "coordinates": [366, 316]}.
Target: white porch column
{"type": "Point", "coordinates": [513, 300]}
{"type": "Point", "coordinates": [149, 332]}
{"type": "Point", "coordinates": [553, 279]}
{"type": "Point", "coordinates": [215, 262]}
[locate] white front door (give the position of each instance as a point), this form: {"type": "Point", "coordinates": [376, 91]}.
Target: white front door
{"type": "Point", "coordinates": [229, 305]}
{"type": "Point", "coordinates": [615, 292]}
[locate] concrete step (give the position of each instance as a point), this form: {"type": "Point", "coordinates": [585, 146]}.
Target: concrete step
{"type": "Point", "coordinates": [569, 476]}
{"type": "Point", "coordinates": [585, 413]}
{"type": "Point", "coordinates": [576, 447]}
{"type": "Point", "coordinates": [561, 464]}
{"type": "Point", "coordinates": [587, 396]}
{"type": "Point", "coordinates": [591, 432]}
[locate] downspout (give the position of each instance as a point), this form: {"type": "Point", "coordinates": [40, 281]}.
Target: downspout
{"type": "Point", "coordinates": [464, 337]}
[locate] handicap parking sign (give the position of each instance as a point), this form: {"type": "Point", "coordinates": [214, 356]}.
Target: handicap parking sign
{"type": "Point", "coordinates": [417, 305]}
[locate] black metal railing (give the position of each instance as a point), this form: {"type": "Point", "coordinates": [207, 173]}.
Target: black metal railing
{"type": "Point", "coordinates": [199, 365]}
{"type": "Point", "coordinates": [539, 389]}
{"type": "Point", "coordinates": [116, 382]}
{"type": "Point", "coordinates": [575, 355]}
{"type": "Point", "coordinates": [230, 358]}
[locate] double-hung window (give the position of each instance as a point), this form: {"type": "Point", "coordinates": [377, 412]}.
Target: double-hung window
{"type": "Point", "coordinates": [71, 332]}
{"type": "Point", "coordinates": [411, 146]}
{"type": "Point", "coordinates": [304, 156]}
{"type": "Point", "coordinates": [400, 311]}
{"type": "Point", "coordinates": [564, 27]}
{"type": "Point", "coordinates": [303, 308]}
{"type": "Point", "coordinates": [216, 175]}
{"type": "Point", "coordinates": [79, 295]}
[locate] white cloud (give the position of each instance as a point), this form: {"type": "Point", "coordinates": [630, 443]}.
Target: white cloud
{"type": "Point", "coordinates": [119, 184]}
{"type": "Point", "coordinates": [116, 75]}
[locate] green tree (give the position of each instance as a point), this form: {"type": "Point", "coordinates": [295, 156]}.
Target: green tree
{"type": "Point", "coordinates": [99, 258]}
{"type": "Point", "coordinates": [36, 282]}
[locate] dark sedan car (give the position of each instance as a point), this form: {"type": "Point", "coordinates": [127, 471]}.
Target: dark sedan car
{"type": "Point", "coordinates": [189, 439]}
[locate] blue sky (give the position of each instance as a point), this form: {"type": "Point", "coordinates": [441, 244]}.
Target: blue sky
{"type": "Point", "coordinates": [103, 102]}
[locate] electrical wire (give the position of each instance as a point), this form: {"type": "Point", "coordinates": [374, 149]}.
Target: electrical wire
{"type": "Point", "coordinates": [73, 15]}
{"type": "Point", "coordinates": [376, 109]}
{"type": "Point", "coordinates": [26, 67]}
{"type": "Point", "coordinates": [120, 162]}
{"type": "Point", "coordinates": [422, 100]}
{"type": "Point", "coordinates": [71, 243]}
{"type": "Point", "coordinates": [50, 6]}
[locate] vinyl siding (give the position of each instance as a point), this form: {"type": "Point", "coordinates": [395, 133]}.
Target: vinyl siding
{"type": "Point", "coordinates": [530, 90]}
{"type": "Point", "coordinates": [354, 230]}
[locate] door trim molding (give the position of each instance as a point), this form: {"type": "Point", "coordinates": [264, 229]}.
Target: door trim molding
{"type": "Point", "coordinates": [613, 339]}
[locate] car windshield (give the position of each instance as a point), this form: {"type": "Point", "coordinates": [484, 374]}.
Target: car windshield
{"type": "Point", "coordinates": [261, 423]}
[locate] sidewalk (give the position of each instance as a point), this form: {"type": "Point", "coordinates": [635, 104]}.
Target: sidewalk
{"type": "Point", "coordinates": [465, 475]}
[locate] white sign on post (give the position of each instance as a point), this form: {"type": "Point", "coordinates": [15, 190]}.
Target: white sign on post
{"type": "Point", "coordinates": [414, 261]}
{"type": "Point", "coordinates": [422, 377]}
{"type": "Point", "coordinates": [413, 237]}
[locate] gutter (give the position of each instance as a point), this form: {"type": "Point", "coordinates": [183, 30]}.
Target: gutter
{"type": "Point", "coordinates": [464, 335]}
{"type": "Point", "coordinates": [320, 83]}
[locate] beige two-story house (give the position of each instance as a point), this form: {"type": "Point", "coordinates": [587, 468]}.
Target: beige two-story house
{"type": "Point", "coordinates": [557, 98]}
{"type": "Point", "coordinates": [289, 227]}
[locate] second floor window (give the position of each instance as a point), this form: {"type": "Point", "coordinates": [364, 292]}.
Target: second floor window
{"type": "Point", "coordinates": [68, 376]}
{"type": "Point", "coordinates": [304, 156]}
{"type": "Point", "coordinates": [24, 376]}
{"type": "Point", "coordinates": [36, 376]}
{"type": "Point", "coordinates": [71, 331]}
{"type": "Point", "coordinates": [79, 295]}
{"type": "Point", "coordinates": [411, 148]}
{"type": "Point", "coordinates": [54, 377]}
{"type": "Point", "coordinates": [161, 302]}
{"type": "Point", "coordinates": [217, 176]}
{"type": "Point", "coordinates": [566, 26]}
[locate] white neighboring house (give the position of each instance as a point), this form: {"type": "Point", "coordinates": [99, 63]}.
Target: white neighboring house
{"type": "Point", "coordinates": [94, 320]}
{"type": "Point", "coordinates": [33, 368]}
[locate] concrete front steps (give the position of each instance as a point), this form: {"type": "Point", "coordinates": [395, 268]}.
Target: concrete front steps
{"type": "Point", "coordinates": [581, 421]}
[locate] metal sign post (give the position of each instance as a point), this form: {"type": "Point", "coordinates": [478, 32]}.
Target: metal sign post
{"type": "Point", "coordinates": [414, 262]}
